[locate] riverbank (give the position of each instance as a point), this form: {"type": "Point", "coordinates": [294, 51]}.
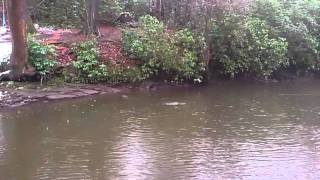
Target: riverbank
{"type": "Point", "coordinates": [108, 64]}
{"type": "Point", "coordinates": [16, 94]}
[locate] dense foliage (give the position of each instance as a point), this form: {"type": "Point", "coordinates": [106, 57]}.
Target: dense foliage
{"type": "Point", "coordinates": [171, 56]}
{"type": "Point", "coordinates": [90, 69]}
{"type": "Point", "coordinates": [297, 21]}
{"type": "Point", "coordinates": [41, 57]}
{"type": "Point", "coordinates": [182, 40]}
{"type": "Point", "coordinates": [59, 13]}
{"type": "Point", "coordinates": [248, 46]}
{"type": "Point", "coordinates": [72, 13]}
{"type": "Point", "coordinates": [87, 64]}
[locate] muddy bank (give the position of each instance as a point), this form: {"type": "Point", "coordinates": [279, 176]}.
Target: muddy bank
{"type": "Point", "coordinates": [13, 94]}
{"type": "Point", "coordinates": [20, 94]}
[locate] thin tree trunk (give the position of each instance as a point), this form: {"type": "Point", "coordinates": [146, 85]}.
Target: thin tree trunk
{"type": "Point", "coordinates": [30, 26]}
{"type": "Point", "coordinates": [209, 49]}
{"type": "Point", "coordinates": [32, 7]}
{"type": "Point", "coordinates": [18, 29]}
{"type": "Point", "coordinates": [91, 23]}
{"type": "Point", "coordinates": [159, 9]}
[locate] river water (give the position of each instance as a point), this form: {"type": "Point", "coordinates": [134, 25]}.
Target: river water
{"type": "Point", "coordinates": [230, 130]}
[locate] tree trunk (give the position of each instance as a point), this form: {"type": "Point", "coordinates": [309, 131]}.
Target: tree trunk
{"type": "Point", "coordinates": [32, 7]}
{"type": "Point", "coordinates": [18, 29]}
{"type": "Point", "coordinates": [30, 26]}
{"type": "Point", "coordinates": [92, 11]}
{"type": "Point", "coordinates": [157, 9]}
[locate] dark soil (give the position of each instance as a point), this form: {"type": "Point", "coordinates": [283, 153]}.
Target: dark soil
{"type": "Point", "coordinates": [109, 44]}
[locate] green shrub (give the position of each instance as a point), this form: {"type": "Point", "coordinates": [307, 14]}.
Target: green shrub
{"type": "Point", "coordinates": [298, 22]}
{"type": "Point", "coordinates": [87, 63]}
{"type": "Point", "coordinates": [247, 47]}
{"type": "Point", "coordinates": [59, 13]}
{"type": "Point", "coordinates": [111, 10]}
{"type": "Point", "coordinates": [185, 38]}
{"type": "Point", "coordinates": [175, 57]}
{"type": "Point", "coordinates": [192, 47]}
{"type": "Point", "coordinates": [91, 70]}
{"type": "Point", "coordinates": [41, 57]}
{"type": "Point", "coordinates": [119, 75]}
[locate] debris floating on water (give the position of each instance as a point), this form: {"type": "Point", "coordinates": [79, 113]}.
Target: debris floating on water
{"type": "Point", "coordinates": [174, 104]}
{"type": "Point", "coordinates": [260, 115]}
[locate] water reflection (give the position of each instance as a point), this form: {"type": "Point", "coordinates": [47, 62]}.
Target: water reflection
{"type": "Point", "coordinates": [232, 131]}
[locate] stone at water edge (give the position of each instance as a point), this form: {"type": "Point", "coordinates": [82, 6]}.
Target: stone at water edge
{"type": "Point", "coordinates": [89, 92]}
{"type": "Point", "coordinates": [61, 96]}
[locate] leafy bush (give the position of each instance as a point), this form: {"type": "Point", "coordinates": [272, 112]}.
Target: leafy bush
{"type": "Point", "coordinates": [87, 63]}
{"type": "Point", "coordinates": [175, 57]}
{"type": "Point", "coordinates": [185, 38]}
{"type": "Point", "coordinates": [111, 10]}
{"type": "Point", "coordinates": [248, 46]}
{"type": "Point", "coordinates": [41, 57]}
{"type": "Point", "coordinates": [60, 13]}
{"type": "Point", "coordinates": [91, 70]}
{"type": "Point", "coordinates": [118, 75]}
{"type": "Point", "coordinates": [298, 22]}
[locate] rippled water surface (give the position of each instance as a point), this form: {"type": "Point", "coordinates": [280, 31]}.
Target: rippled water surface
{"type": "Point", "coordinates": [223, 131]}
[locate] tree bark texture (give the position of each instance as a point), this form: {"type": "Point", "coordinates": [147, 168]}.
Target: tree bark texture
{"type": "Point", "coordinates": [18, 28]}
{"type": "Point", "coordinates": [92, 11]}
